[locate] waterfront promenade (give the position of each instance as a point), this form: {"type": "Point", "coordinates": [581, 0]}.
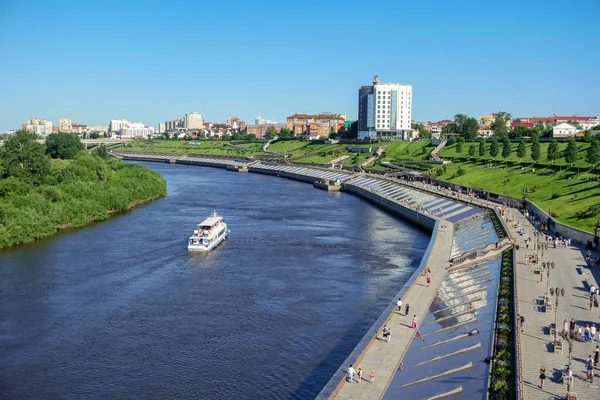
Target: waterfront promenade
{"type": "Point", "coordinates": [571, 273]}
{"type": "Point", "coordinates": [384, 358]}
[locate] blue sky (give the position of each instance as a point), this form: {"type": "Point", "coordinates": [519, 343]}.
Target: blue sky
{"type": "Point", "coordinates": [155, 60]}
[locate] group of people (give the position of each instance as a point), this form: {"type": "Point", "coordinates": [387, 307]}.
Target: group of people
{"type": "Point", "coordinates": [359, 375]}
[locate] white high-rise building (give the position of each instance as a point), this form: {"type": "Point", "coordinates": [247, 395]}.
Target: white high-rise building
{"type": "Point", "coordinates": [261, 121]}
{"type": "Point", "coordinates": [193, 120]}
{"type": "Point", "coordinates": [385, 111]}
{"type": "Point", "coordinates": [115, 125]}
{"type": "Point", "coordinates": [162, 127]}
{"type": "Point", "coordinates": [136, 129]}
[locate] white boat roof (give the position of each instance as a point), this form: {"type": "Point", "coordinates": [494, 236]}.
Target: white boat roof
{"type": "Point", "coordinates": [210, 221]}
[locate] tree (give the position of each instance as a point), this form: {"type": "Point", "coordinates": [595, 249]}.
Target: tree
{"type": "Point", "coordinates": [332, 132]}
{"type": "Point", "coordinates": [459, 145]}
{"type": "Point", "coordinates": [271, 133]}
{"type": "Point", "coordinates": [592, 154]}
{"type": "Point", "coordinates": [285, 133]}
{"type": "Point", "coordinates": [482, 148]}
{"type": "Point", "coordinates": [494, 148]}
{"type": "Point", "coordinates": [520, 131]}
{"type": "Point", "coordinates": [472, 151]}
{"type": "Point", "coordinates": [101, 151]}
{"type": "Point", "coordinates": [553, 153]}
{"type": "Point", "coordinates": [521, 150]}
{"type": "Point", "coordinates": [450, 128]}
{"type": "Point", "coordinates": [587, 137]}
{"type": "Point", "coordinates": [535, 150]}
{"type": "Point", "coordinates": [63, 145]}
{"type": "Point", "coordinates": [24, 158]}
{"type": "Point", "coordinates": [571, 153]}
{"type": "Point", "coordinates": [506, 148]}
{"type": "Point", "coordinates": [499, 128]}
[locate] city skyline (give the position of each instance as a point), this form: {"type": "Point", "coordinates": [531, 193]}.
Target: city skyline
{"type": "Point", "coordinates": [472, 58]}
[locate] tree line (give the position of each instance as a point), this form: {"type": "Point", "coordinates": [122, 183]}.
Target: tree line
{"type": "Point", "coordinates": [504, 148]}
{"type": "Point", "coordinates": [58, 185]}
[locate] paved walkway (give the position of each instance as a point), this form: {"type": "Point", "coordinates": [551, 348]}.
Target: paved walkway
{"type": "Point", "coordinates": [384, 358]}
{"type": "Point", "coordinates": [569, 273]}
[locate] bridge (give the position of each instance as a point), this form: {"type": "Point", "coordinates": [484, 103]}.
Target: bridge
{"type": "Point", "coordinates": [92, 142]}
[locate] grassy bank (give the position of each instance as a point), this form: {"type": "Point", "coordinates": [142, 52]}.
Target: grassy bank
{"type": "Point", "coordinates": [75, 193]}
{"type": "Point", "coordinates": [563, 194]}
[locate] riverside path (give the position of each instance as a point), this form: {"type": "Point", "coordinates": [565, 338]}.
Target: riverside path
{"type": "Point", "coordinates": [384, 358]}
{"type": "Point", "coordinates": [571, 273]}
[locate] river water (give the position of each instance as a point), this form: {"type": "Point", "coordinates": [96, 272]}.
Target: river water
{"type": "Point", "coordinates": [121, 310]}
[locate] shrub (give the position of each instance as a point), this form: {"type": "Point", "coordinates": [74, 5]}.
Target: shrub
{"type": "Point", "coordinates": [555, 195]}
{"type": "Point", "coordinates": [554, 214]}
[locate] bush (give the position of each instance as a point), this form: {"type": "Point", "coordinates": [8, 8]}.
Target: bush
{"type": "Point", "coordinates": [554, 214]}
{"type": "Point", "coordinates": [590, 212]}
{"type": "Point", "coordinates": [555, 195]}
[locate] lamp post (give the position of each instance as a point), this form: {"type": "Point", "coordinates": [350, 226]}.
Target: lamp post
{"type": "Point", "coordinates": [557, 293]}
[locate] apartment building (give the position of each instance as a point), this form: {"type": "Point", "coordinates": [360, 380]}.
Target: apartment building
{"type": "Point", "coordinates": [309, 124]}
{"type": "Point", "coordinates": [40, 126]}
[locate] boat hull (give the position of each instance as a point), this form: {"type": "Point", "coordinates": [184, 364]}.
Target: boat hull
{"type": "Point", "coordinates": [208, 247]}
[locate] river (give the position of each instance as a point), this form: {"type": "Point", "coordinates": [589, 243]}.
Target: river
{"type": "Point", "coordinates": [120, 310]}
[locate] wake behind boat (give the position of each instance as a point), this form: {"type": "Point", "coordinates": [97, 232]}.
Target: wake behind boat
{"type": "Point", "coordinates": [212, 231]}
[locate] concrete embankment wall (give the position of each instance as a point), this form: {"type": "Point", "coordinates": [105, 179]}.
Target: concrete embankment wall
{"type": "Point", "coordinates": [283, 174]}
{"type": "Point", "coordinates": [422, 221]}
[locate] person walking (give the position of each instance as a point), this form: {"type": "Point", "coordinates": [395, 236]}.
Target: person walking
{"type": "Point", "coordinates": [414, 322]}
{"type": "Point", "coordinates": [542, 376]}
{"type": "Point", "coordinates": [522, 323]}
{"type": "Point", "coordinates": [372, 377]}
{"type": "Point", "coordinates": [389, 335]}
{"type": "Point", "coordinates": [359, 374]}
{"type": "Point", "coordinates": [406, 308]}
{"type": "Point", "coordinates": [590, 368]}
{"type": "Point", "coordinates": [399, 304]}
{"type": "Point", "coordinates": [565, 328]}
{"type": "Point", "coordinates": [428, 280]}
{"type": "Point", "coordinates": [596, 355]}
{"type": "Point", "coordinates": [593, 333]}
{"type": "Point", "coordinates": [572, 327]}
{"type": "Point", "coordinates": [350, 373]}
{"type": "Point", "coordinates": [384, 332]}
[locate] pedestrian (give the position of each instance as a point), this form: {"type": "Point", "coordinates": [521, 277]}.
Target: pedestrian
{"type": "Point", "coordinates": [414, 322]}
{"type": "Point", "coordinates": [359, 374]}
{"type": "Point", "coordinates": [350, 373]}
{"type": "Point", "coordinates": [406, 308]}
{"type": "Point", "coordinates": [399, 303]}
{"type": "Point", "coordinates": [596, 355]}
{"type": "Point", "coordinates": [389, 335]}
{"type": "Point", "coordinates": [591, 302]}
{"type": "Point", "coordinates": [428, 280]}
{"type": "Point", "coordinates": [572, 327]}
{"type": "Point", "coordinates": [542, 376]}
{"type": "Point", "coordinates": [372, 377]}
{"type": "Point", "coordinates": [593, 332]}
{"type": "Point", "coordinates": [384, 332]}
{"type": "Point", "coordinates": [522, 322]}
{"type": "Point", "coordinates": [565, 328]}
{"type": "Point", "coordinates": [586, 334]}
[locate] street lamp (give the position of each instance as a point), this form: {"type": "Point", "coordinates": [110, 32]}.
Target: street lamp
{"type": "Point", "coordinates": [556, 293]}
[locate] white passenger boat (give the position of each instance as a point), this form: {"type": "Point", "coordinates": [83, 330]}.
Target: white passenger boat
{"type": "Point", "coordinates": [212, 231]}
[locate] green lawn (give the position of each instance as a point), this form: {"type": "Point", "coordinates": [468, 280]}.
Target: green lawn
{"type": "Point", "coordinates": [450, 153]}
{"type": "Point", "coordinates": [408, 151]}
{"type": "Point", "coordinates": [575, 192]}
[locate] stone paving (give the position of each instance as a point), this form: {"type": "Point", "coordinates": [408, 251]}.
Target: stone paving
{"type": "Point", "coordinates": [384, 358]}
{"type": "Point", "coordinates": [569, 273]}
